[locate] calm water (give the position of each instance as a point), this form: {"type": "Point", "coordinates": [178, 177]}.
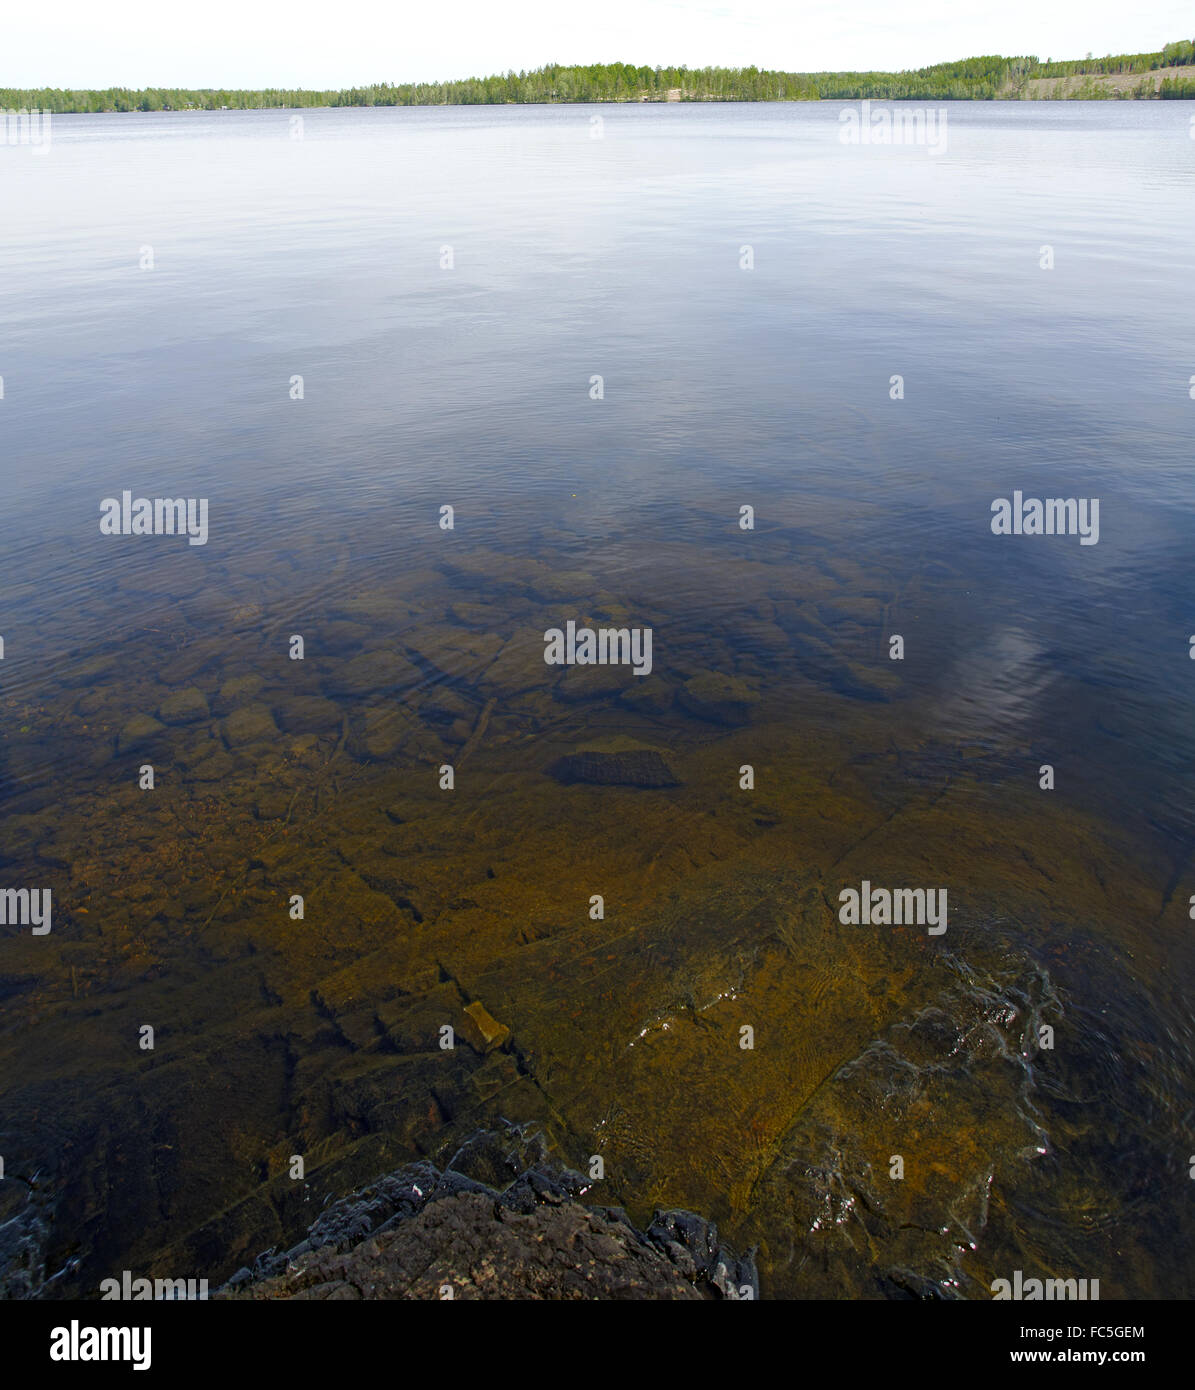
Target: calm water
{"type": "Point", "coordinates": [620, 257]}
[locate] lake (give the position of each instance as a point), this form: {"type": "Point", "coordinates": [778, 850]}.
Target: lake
{"type": "Point", "coordinates": [705, 370]}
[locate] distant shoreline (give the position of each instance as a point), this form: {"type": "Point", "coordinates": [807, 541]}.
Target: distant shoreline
{"type": "Point", "coordinates": [1167, 74]}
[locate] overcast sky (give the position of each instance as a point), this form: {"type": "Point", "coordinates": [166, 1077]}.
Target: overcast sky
{"type": "Point", "coordinates": [318, 43]}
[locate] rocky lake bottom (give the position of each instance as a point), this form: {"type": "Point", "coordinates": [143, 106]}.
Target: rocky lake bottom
{"type": "Point", "coordinates": [620, 1038]}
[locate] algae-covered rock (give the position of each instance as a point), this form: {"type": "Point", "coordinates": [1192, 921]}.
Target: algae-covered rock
{"type": "Point", "coordinates": [238, 691]}
{"type": "Point", "coordinates": [821, 662]}
{"type": "Point", "coordinates": [371, 672]}
{"type": "Point", "coordinates": [272, 803]}
{"type": "Point", "coordinates": [457, 653]}
{"type": "Point", "coordinates": [184, 706]}
{"type": "Point", "coordinates": [183, 668]}
{"type": "Point", "coordinates": [194, 753]}
{"type": "Point", "coordinates": [89, 670]}
{"type": "Point", "coordinates": [338, 638]}
{"type": "Point", "coordinates": [375, 610]}
{"type": "Point", "coordinates": [249, 724]}
{"type": "Point", "coordinates": [309, 714]}
{"type": "Point", "coordinates": [718, 698]}
{"type": "Point", "coordinates": [215, 768]}
{"type": "Point", "coordinates": [520, 666]}
{"type": "Point", "coordinates": [139, 730]}
{"type": "Point", "coordinates": [617, 762]}
{"type": "Point", "coordinates": [761, 639]}
{"type": "Point", "coordinates": [380, 732]}
{"type": "Point", "coordinates": [445, 706]}
{"type": "Point", "coordinates": [480, 615]}
{"type": "Point", "coordinates": [247, 615]}
{"type": "Point", "coordinates": [561, 586]}
{"type": "Point", "coordinates": [594, 682]}
{"type": "Point", "coordinates": [865, 612]}
{"type": "Point", "coordinates": [648, 695]}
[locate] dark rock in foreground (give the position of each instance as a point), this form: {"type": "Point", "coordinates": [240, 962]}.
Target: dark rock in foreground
{"type": "Point", "coordinates": [628, 767]}
{"type": "Point", "coordinates": [418, 1233]}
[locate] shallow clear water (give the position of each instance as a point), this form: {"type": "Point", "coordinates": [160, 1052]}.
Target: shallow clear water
{"type": "Point", "coordinates": [619, 256]}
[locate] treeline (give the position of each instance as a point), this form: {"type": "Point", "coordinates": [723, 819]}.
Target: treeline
{"type": "Point", "coordinates": [61, 102]}
{"type": "Point", "coordinates": [972, 79]}
{"type": "Point", "coordinates": [1177, 89]}
{"type": "Point", "coordinates": [1174, 55]}
{"type": "Point", "coordinates": [976, 78]}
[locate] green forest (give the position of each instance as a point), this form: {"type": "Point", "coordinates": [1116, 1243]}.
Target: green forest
{"type": "Point", "coordinates": [971, 79]}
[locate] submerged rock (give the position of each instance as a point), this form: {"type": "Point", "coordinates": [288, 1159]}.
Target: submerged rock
{"type": "Point", "coordinates": [520, 666]}
{"type": "Point", "coordinates": [455, 652]}
{"type": "Point", "coordinates": [493, 1033]}
{"type": "Point", "coordinates": [339, 638]}
{"type": "Point", "coordinates": [820, 662]}
{"type": "Point", "coordinates": [184, 706]}
{"type": "Point", "coordinates": [380, 732]}
{"type": "Point", "coordinates": [140, 729]}
{"type": "Point", "coordinates": [718, 698]}
{"type": "Point", "coordinates": [238, 691]}
{"type": "Point", "coordinates": [248, 724]}
{"type": "Point", "coordinates": [309, 714]}
{"type": "Point", "coordinates": [373, 671]}
{"type": "Point", "coordinates": [216, 768]}
{"type": "Point", "coordinates": [630, 765]}
{"type": "Point", "coordinates": [477, 615]}
{"type": "Point", "coordinates": [650, 695]}
{"type": "Point", "coordinates": [593, 682]}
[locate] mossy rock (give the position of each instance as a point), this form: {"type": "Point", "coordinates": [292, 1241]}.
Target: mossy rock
{"type": "Point", "coordinates": [139, 730]}
{"type": "Point", "coordinates": [217, 768]}
{"type": "Point", "coordinates": [249, 724]}
{"type": "Point", "coordinates": [819, 661]}
{"type": "Point", "coordinates": [338, 638]}
{"type": "Point", "coordinates": [239, 691]}
{"type": "Point", "coordinates": [520, 666]}
{"type": "Point", "coordinates": [371, 672]}
{"type": "Point", "coordinates": [648, 695]}
{"type": "Point", "coordinates": [616, 762]}
{"type": "Point", "coordinates": [476, 615]}
{"type": "Point", "coordinates": [459, 654]}
{"type": "Point", "coordinates": [381, 732]}
{"type": "Point", "coordinates": [309, 714]}
{"type": "Point", "coordinates": [184, 707]}
{"type": "Point", "coordinates": [718, 698]}
{"type": "Point", "coordinates": [595, 682]}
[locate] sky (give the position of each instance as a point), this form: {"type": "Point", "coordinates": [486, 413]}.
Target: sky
{"type": "Point", "coordinates": [314, 43]}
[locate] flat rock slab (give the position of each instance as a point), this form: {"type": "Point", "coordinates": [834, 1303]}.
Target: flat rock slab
{"type": "Point", "coordinates": [493, 1033]}
{"type": "Point", "coordinates": [719, 699]}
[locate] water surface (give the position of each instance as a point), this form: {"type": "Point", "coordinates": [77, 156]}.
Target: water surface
{"type": "Point", "coordinates": [323, 257]}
